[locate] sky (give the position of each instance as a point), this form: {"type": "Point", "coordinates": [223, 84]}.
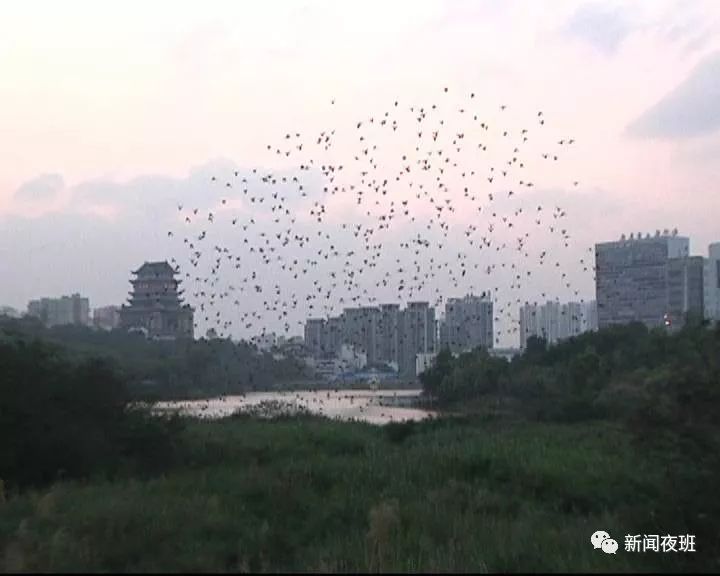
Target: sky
{"type": "Point", "coordinates": [113, 114]}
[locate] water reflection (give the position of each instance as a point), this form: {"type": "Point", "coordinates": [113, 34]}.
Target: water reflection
{"type": "Point", "coordinates": [373, 406]}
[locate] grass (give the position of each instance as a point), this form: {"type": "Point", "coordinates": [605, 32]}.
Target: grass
{"type": "Point", "coordinates": [307, 494]}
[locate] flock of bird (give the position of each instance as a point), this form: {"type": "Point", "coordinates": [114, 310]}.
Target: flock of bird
{"type": "Point", "coordinates": [409, 203]}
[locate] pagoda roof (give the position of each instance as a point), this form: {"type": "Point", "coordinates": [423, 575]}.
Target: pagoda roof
{"type": "Point", "coordinates": [162, 277]}
{"type": "Point", "coordinates": [156, 268]}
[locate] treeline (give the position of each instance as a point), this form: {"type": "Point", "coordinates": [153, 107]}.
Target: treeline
{"type": "Point", "coordinates": [624, 372]}
{"type": "Point", "coordinates": [68, 418]}
{"type": "Point", "coordinates": [662, 388]}
{"type": "Point", "coordinates": [165, 369]}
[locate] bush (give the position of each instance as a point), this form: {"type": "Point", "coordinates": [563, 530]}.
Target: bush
{"type": "Point", "coordinates": [70, 419]}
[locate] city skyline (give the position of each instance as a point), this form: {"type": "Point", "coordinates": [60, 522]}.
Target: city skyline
{"type": "Point", "coordinates": [691, 284]}
{"type": "Point", "coordinates": [101, 170]}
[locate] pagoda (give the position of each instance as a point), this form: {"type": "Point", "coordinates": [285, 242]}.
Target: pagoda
{"type": "Point", "coordinates": [155, 306]}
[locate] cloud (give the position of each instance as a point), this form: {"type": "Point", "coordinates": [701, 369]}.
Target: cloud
{"type": "Point", "coordinates": [44, 187]}
{"type": "Point", "coordinates": [689, 25]}
{"type": "Point", "coordinates": [158, 195]}
{"type": "Point", "coordinates": [691, 109]}
{"type": "Point", "coordinates": [603, 27]}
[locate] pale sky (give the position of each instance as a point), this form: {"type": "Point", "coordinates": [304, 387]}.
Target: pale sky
{"type": "Point", "coordinates": [113, 113]}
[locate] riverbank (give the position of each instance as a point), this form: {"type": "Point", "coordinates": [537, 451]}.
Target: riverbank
{"type": "Point", "coordinates": [311, 494]}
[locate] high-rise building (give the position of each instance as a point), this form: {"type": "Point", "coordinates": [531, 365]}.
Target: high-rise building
{"type": "Point", "coordinates": [60, 311]}
{"type": "Point", "coordinates": [589, 321]}
{"type": "Point", "coordinates": [334, 335]}
{"type": "Point", "coordinates": [389, 329]}
{"type": "Point", "coordinates": [468, 324]}
{"type": "Point", "coordinates": [685, 291]}
{"type": "Point", "coordinates": [417, 336]}
{"type": "Point", "coordinates": [315, 337]}
{"type": "Point", "coordinates": [106, 317]}
{"type": "Point", "coordinates": [360, 330]}
{"type": "Point", "coordinates": [555, 322]}
{"type": "Point", "coordinates": [632, 278]}
{"type": "Point", "coordinates": [381, 335]}
{"type": "Point", "coordinates": [155, 306]}
{"type": "Point", "coordinates": [711, 292]}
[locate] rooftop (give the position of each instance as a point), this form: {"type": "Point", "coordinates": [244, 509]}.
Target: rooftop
{"type": "Point", "coordinates": [156, 269]}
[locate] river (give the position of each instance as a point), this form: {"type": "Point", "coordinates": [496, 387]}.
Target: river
{"type": "Point", "coordinates": [373, 406]}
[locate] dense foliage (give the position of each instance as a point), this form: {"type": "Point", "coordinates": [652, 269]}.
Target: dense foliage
{"type": "Point", "coordinates": [664, 389]}
{"type": "Point", "coordinates": [625, 372]}
{"type": "Point", "coordinates": [614, 430]}
{"type": "Point", "coordinates": [63, 419]}
{"type": "Point", "coordinates": [155, 369]}
{"type": "Point", "coordinates": [310, 495]}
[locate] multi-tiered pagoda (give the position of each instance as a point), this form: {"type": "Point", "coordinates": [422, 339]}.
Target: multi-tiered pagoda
{"type": "Point", "coordinates": [155, 306]}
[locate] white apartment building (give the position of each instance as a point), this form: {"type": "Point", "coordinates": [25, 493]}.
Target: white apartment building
{"type": "Point", "coordinates": [555, 322]}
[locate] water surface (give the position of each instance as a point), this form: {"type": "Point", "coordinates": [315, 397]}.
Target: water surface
{"type": "Point", "coordinates": [374, 406]}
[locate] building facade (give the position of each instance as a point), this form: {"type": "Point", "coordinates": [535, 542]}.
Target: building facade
{"type": "Point", "coordinates": [468, 324]}
{"type": "Point", "coordinates": [685, 279]}
{"type": "Point", "coordinates": [383, 336]}
{"type": "Point", "coordinates": [389, 336]}
{"type": "Point", "coordinates": [418, 331]}
{"type": "Point", "coordinates": [631, 278]}
{"type": "Point", "coordinates": [360, 327]}
{"type": "Point", "coordinates": [61, 311]}
{"type": "Point", "coordinates": [555, 322]}
{"type": "Point", "coordinates": [106, 317]}
{"type": "Point", "coordinates": [155, 306]}
{"type": "Point", "coordinates": [315, 337]}
{"type": "Point", "coordinates": [424, 362]}
{"type": "Point", "coordinates": [711, 280]}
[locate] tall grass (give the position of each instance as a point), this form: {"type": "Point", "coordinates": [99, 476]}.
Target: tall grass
{"type": "Point", "coordinates": [306, 494]}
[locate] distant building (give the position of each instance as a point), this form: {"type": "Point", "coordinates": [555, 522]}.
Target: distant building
{"type": "Point", "coordinates": [418, 331]}
{"type": "Point", "coordinates": [106, 317]}
{"type": "Point", "coordinates": [685, 291]}
{"type": "Point", "coordinates": [389, 333]}
{"type": "Point", "coordinates": [589, 319]}
{"type": "Point", "coordinates": [155, 306]}
{"type": "Point", "coordinates": [327, 368]}
{"type": "Point", "coordinates": [315, 337]}
{"type": "Point", "coordinates": [333, 336]}
{"type": "Point", "coordinates": [349, 360]}
{"type": "Point", "coordinates": [352, 359]}
{"type": "Point", "coordinates": [424, 362]}
{"type": "Point", "coordinates": [360, 330]}
{"type": "Point", "coordinates": [711, 292]}
{"type": "Point", "coordinates": [265, 341]}
{"type": "Point", "coordinates": [468, 324]}
{"type": "Point", "coordinates": [555, 322]}
{"type": "Point", "coordinates": [385, 335]}
{"type": "Point", "coordinates": [506, 353]}
{"type": "Point", "coordinates": [61, 311]}
{"type": "Point", "coordinates": [9, 311]}
{"type": "Point", "coordinates": [631, 278]}
{"type": "Point", "coordinates": [293, 346]}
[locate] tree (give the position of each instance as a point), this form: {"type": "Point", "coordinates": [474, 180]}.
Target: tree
{"type": "Point", "coordinates": [432, 378]}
